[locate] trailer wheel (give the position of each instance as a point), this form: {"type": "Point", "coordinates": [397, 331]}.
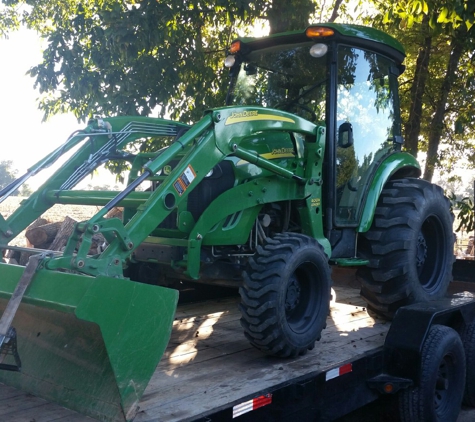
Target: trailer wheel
{"type": "Point", "coordinates": [285, 297]}
{"type": "Point", "coordinates": [468, 339]}
{"type": "Point", "coordinates": [409, 246]}
{"type": "Point", "coordinates": [438, 396]}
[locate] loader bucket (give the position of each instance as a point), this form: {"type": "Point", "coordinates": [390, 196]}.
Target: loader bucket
{"type": "Point", "coordinates": [89, 344]}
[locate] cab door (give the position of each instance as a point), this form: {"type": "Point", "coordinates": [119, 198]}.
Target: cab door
{"type": "Point", "coordinates": [366, 122]}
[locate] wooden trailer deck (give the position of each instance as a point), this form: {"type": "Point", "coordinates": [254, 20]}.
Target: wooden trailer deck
{"type": "Point", "coordinates": [209, 363]}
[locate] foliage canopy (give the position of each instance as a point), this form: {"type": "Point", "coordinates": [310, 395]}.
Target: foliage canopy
{"type": "Point", "coordinates": [151, 57]}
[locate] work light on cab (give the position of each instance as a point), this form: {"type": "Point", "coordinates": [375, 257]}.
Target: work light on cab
{"type": "Point", "coordinates": [229, 61]}
{"type": "Point", "coordinates": [318, 50]}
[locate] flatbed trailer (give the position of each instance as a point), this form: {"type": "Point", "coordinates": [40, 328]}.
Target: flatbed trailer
{"type": "Point", "coordinates": [210, 372]}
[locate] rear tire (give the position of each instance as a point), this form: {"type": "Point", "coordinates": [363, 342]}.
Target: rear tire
{"type": "Point", "coordinates": [438, 396]}
{"type": "Point", "coordinates": [285, 298]}
{"type": "Point", "coordinates": [409, 247]}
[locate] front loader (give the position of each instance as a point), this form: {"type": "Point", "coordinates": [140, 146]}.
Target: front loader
{"type": "Point", "coordinates": [301, 169]}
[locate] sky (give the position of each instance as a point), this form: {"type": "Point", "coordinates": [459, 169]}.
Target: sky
{"type": "Point", "coordinates": [24, 139]}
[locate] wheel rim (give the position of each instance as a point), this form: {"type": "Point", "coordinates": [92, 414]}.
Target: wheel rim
{"type": "Point", "coordinates": [301, 298]}
{"type": "Point", "coordinates": [431, 254]}
{"type": "Point", "coordinates": [443, 385]}
{"type": "Point", "coordinates": [292, 298]}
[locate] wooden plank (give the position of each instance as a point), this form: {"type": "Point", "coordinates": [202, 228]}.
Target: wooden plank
{"type": "Point", "coordinates": [223, 332]}
{"type": "Point", "coordinates": [228, 380]}
{"type": "Point", "coordinates": [221, 367]}
{"type": "Point", "coordinates": [211, 338]}
{"type": "Point", "coordinates": [47, 412]}
{"type": "Point", "coordinates": [18, 406]}
{"type": "Point", "coordinates": [209, 363]}
{"type": "Point", "coordinates": [20, 402]}
{"type": "Point", "coordinates": [7, 392]}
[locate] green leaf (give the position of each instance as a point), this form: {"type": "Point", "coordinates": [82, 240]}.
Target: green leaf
{"type": "Point", "coordinates": [443, 15]}
{"type": "Point", "coordinates": [416, 7]}
{"type": "Point", "coordinates": [425, 7]}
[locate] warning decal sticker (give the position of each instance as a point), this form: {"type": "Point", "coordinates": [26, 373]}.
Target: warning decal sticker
{"type": "Point", "coordinates": [185, 179]}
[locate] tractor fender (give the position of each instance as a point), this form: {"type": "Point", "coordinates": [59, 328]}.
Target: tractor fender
{"type": "Point", "coordinates": [400, 164]}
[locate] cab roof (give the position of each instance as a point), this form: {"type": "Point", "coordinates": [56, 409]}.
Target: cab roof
{"type": "Point", "coordinates": [353, 35]}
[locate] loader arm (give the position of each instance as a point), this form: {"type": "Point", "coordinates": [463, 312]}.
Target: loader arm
{"type": "Point", "coordinates": [100, 146]}
{"type": "Point", "coordinates": [217, 136]}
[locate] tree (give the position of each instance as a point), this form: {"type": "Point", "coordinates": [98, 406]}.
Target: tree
{"type": "Point", "coordinates": [7, 174]}
{"type": "Point", "coordinates": [440, 87]}
{"type": "Point", "coordinates": [146, 57]}
{"type": "Point", "coordinates": [9, 19]}
{"type": "Point", "coordinates": [26, 190]}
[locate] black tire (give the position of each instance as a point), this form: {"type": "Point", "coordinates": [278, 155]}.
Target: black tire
{"type": "Point", "coordinates": [438, 396]}
{"type": "Point", "coordinates": [409, 247]}
{"type": "Point", "coordinates": [468, 340]}
{"type": "Point", "coordinates": [285, 297]}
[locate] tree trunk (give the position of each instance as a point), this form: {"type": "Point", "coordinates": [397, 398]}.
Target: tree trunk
{"type": "Point", "coordinates": [115, 212]}
{"type": "Point", "coordinates": [413, 125]}
{"type": "Point", "coordinates": [43, 234]}
{"type": "Point", "coordinates": [22, 259]}
{"type": "Point", "coordinates": [437, 123]}
{"type": "Point", "coordinates": [334, 14]}
{"type": "Point", "coordinates": [38, 222]}
{"type": "Point", "coordinates": [63, 234]}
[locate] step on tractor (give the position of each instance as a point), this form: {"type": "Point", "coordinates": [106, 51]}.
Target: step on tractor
{"type": "Point", "coordinates": [301, 169]}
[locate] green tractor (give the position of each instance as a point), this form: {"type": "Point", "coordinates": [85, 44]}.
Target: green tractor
{"type": "Point", "coordinates": [301, 169]}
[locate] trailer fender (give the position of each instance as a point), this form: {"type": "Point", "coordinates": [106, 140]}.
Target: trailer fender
{"type": "Point", "coordinates": [411, 325]}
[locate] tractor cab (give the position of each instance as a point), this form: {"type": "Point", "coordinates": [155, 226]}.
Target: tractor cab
{"type": "Point", "coordinates": [345, 79]}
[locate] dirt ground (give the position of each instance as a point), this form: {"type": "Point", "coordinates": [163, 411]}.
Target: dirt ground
{"type": "Point", "coordinates": [56, 213]}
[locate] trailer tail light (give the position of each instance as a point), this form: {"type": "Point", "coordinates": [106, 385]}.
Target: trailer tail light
{"type": "Point", "coordinates": [342, 370]}
{"type": "Point", "coordinates": [319, 32]}
{"type": "Point", "coordinates": [250, 405]}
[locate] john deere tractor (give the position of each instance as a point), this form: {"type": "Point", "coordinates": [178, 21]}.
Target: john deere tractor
{"type": "Point", "coordinates": [302, 169]}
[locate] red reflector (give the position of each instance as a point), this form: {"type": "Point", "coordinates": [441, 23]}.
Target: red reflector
{"type": "Point", "coordinates": [249, 406]}
{"type": "Point", "coordinates": [337, 372]}
{"type": "Point", "coordinates": [262, 401]}
{"type": "Point", "coordinates": [346, 369]}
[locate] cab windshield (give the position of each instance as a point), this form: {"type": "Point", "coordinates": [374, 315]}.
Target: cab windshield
{"type": "Point", "coordinates": [284, 77]}
{"type": "Point", "coordinates": [365, 123]}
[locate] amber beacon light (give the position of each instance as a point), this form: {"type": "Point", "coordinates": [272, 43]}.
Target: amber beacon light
{"type": "Point", "coordinates": [319, 32]}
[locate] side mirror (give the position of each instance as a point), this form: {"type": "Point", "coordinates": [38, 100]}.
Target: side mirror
{"type": "Point", "coordinates": [345, 135]}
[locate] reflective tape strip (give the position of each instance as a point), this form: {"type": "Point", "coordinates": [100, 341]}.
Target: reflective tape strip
{"type": "Point", "coordinates": [250, 405]}
{"type": "Point", "coordinates": [334, 373]}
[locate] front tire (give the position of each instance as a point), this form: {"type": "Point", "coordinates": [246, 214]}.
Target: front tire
{"type": "Point", "coordinates": [285, 298]}
{"type": "Point", "coordinates": [409, 246]}
{"type": "Point", "coordinates": [438, 396]}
